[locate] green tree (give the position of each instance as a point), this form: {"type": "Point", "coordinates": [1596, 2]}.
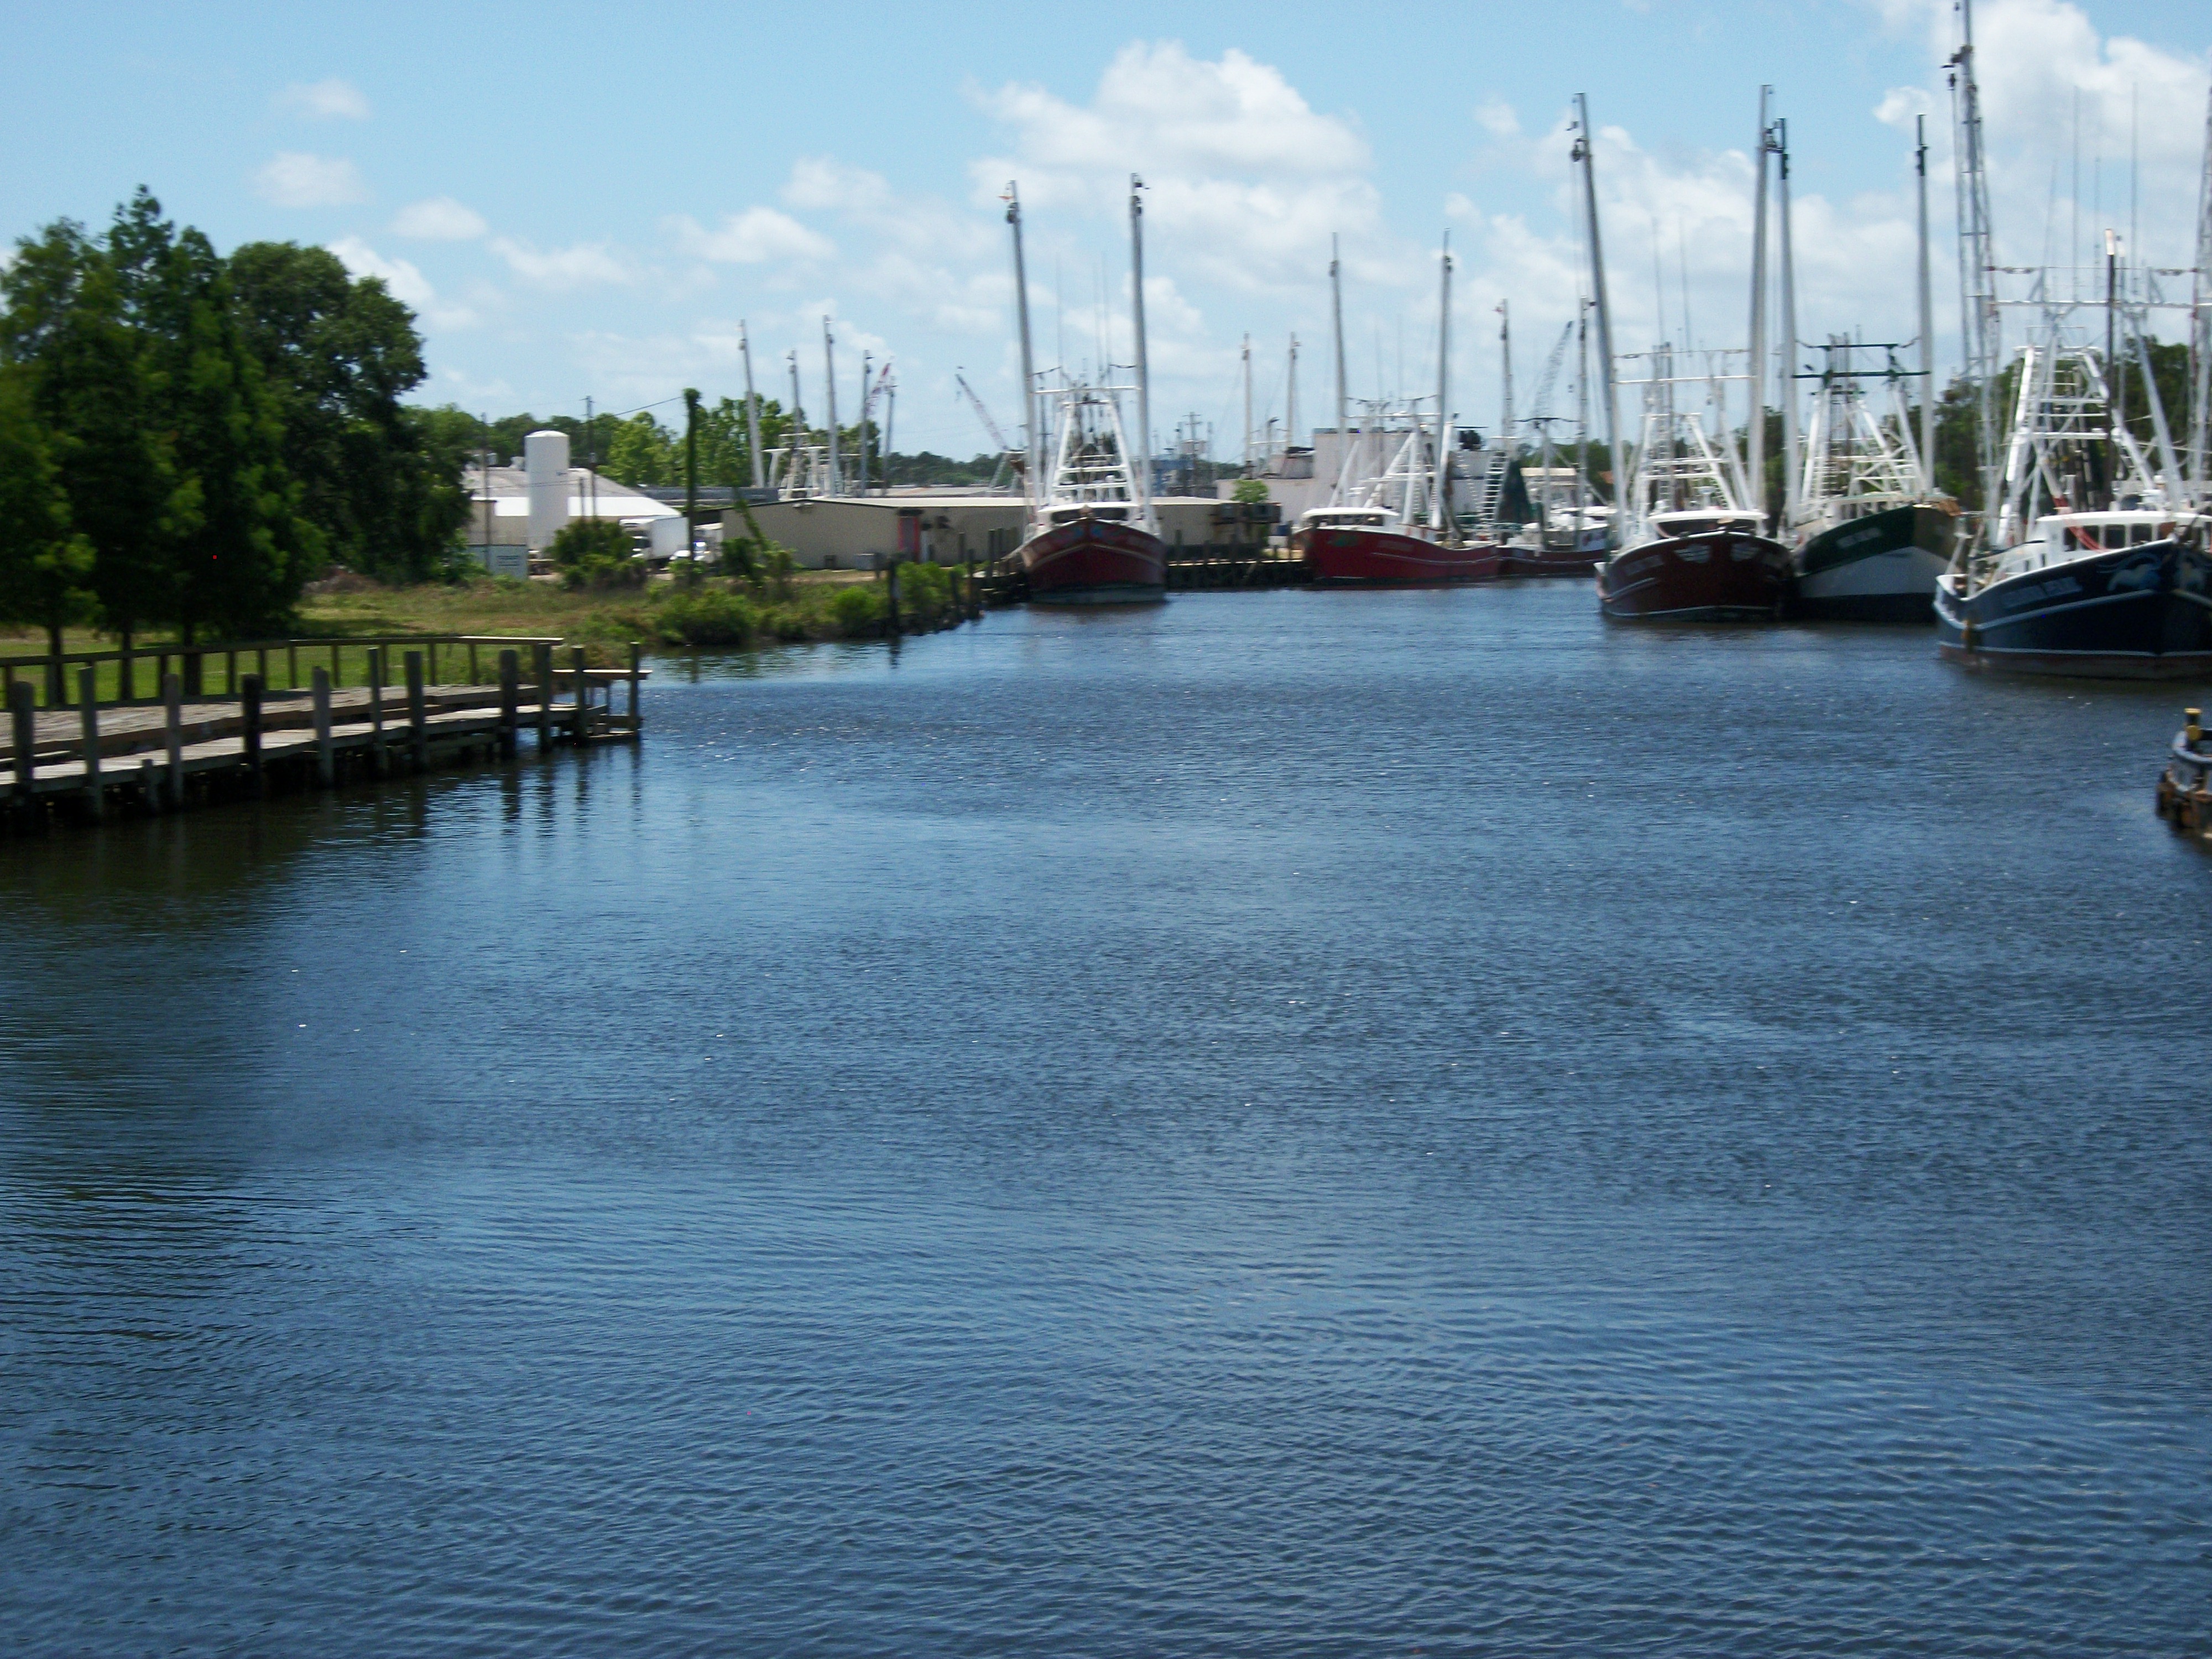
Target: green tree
{"type": "Point", "coordinates": [46, 568]}
{"type": "Point", "coordinates": [640, 452]}
{"type": "Point", "coordinates": [339, 354]}
{"type": "Point", "coordinates": [595, 553]}
{"type": "Point", "coordinates": [1253, 491]}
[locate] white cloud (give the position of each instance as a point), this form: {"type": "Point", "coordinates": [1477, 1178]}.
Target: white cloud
{"type": "Point", "coordinates": [438, 219]}
{"type": "Point", "coordinates": [821, 182]}
{"type": "Point", "coordinates": [759, 235]}
{"type": "Point", "coordinates": [586, 264]}
{"type": "Point", "coordinates": [324, 101]}
{"type": "Point", "coordinates": [404, 281]}
{"type": "Point", "coordinates": [297, 179]}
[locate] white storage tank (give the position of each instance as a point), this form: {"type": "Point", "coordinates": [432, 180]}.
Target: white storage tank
{"type": "Point", "coordinates": [545, 458]}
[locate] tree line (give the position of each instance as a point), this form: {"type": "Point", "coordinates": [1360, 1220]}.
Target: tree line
{"type": "Point", "coordinates": [187, 439]}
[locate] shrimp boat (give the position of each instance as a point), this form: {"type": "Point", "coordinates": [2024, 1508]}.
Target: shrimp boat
{"type": "Point", "coordinates": [1388, 521]}
{"type": "Point", "coordinates": [2099, 564]}
{"type": "Point", "coordinates": [1871, 536]}
{"type": "Point", "coordinates": [1092, 535]}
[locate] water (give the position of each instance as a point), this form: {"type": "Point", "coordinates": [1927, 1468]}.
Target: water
{"type": "Point", "coordinates": [1288, 1123]}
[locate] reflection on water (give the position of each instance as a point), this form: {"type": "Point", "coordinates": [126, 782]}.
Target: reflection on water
{"type": "Point", "coordinates": [1280, 1123]}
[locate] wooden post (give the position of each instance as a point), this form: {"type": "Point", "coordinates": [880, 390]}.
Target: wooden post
{"type": "Point", "coordinates": [327, 771]}
{"type": "Point", "coordinates": [417, 714]}
{"type": "Point", "coordinates": [636, 679]}
{"type": "Point", "coordinates": [23, 712]}
{"type": "Point", "coordinates": [433, 662]}
{"type": "Point", "coordinates": [249, 710]}
{"type": "Point", "coordinates": [230, 673]}
{"type": "Point", "coordinates": [576, 731]}
{"type": "Point", "coordinates": [126, 682]}
{"type": "Point", "coordinates": [510, 700]}
{"type": "Point", "coordinates": [292, 665]}
{"type": "Point", "coordinates": [88, 696]}
{"type": "Point", "coordinates": [542, 655]}
{"type": "Point", "coordinates": [149, 783]}
{"type": "Point", "coordinates": [261, 665]}
{"type": "Point", "coordinates": [173, 709]}
{"type": "Point", "coordinates": [56, 697]}
{"type": "Point", "coordinates": [376, 755]}
{"type": "Point", "coordinates": [472, 663]}
{"type": "Point", "coordinates": [337, 678]}
{"type": "Point", "coordinates": [892, 588]}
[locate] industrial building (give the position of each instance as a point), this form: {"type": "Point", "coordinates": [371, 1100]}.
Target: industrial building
{"type": "Point", "coordinates": [516, 511]}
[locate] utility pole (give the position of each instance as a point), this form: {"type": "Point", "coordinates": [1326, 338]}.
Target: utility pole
{"type": "Point", "coordinates": [830, 384]}
{"type": "Point", "coordinates": [690, 462]}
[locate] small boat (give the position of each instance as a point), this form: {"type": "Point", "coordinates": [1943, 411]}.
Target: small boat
{"type": "Point", "coordinates": [1388, 521]}
{"type": "Point", "coordinates": [1696, 565]}
{"type": "Point", "coordinates": [2184, 788]}
{"type": "Point", "coordinates": [1093, 537]}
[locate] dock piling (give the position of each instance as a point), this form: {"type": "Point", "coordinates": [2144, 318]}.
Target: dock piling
{"type": "Point", "coordinates": [418, 715]}
{"type": "Point", "coordinates": [377, 758]}
{"type": "Point", "coordinates": [636, 710]}
{"type": "Point", "coordinates": [542, 656]}
{"type": "Point", "coordinates": [576, 731]}
{"type": "Point", "coordinates": [88, 693]}
{"type": "Point", "coordinates": [510, 700]}
{"type": "Point", "coordinates": [173, 732]}
{"type": "Point", "coordinates": [150, 785]}
{"type": "Point", "coordinates": [23, 709]}
{"type": "Point", "coordinates": [326, 770]}
{"type": "Point", "coordinates": [249, 706]}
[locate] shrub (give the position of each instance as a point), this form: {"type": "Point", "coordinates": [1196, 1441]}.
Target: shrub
{"type": "Point", "coordinates": [858, 610]}
{"type": "Point", "coordinates": [595, 553]}
{"type": "Point", "coordinates": [705, 617]}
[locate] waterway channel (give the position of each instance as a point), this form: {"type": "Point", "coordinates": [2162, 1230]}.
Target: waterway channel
{"type": "Point", "coordinates": [1284, 1123]}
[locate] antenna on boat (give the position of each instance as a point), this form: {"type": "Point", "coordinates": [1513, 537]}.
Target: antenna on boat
{"type": "Point", "coordinates": [1755, 432]}
{"type": "Point", "coordinates": [1144, 469]}
{"type": "Point", "coordinates": [1583, 145]}
{"type": "Point", "coordinates": [1927, 323]}
{"type": "Point", "coordinates": [1792, 482]}
{"type": "Point", "coordinates": [1336, 320]}
{"type": "Point", "coordinates": [1440, 516]}
{"type": "Point", "coordinates": [1029, 436]}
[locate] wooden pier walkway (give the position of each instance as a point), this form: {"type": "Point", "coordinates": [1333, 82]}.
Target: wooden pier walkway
{"type": "Point", "coordinates": [89, 761]}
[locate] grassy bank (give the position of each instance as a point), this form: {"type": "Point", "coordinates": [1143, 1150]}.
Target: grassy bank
{"type": "Point", "coordinates": [716, 615]}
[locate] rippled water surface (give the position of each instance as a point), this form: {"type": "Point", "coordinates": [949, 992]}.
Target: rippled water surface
{"type": "Point", "coordinates": [1287, 1123]}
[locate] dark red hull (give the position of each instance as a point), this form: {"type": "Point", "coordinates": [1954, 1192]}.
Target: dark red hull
{"type": "Point", "coordinates": [1723, 575]}
{"type": "Point", "coordinates": [1384, 558]}
{"type": "Point", "coordinates": [1095, 561]}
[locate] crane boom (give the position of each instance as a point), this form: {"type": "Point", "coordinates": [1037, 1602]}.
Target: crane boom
{"type": "Point", "coordinates": [998, 438]}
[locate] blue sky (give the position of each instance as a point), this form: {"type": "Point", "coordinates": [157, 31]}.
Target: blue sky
{"type": "Point", "coordinates": [587, 200]}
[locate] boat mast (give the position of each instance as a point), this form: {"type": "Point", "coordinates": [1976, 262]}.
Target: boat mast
{"type": "Point", "coordinates": [1143, 474]}
{"type": "Point", "coordinates": [830, 392]}
{"type": "Point", "coordinates": [1291, 401]}
{"type": "Point", "coordinates": [1755, 431]}
{"type": "Point", "coordinates": [1790, 477]}
{"type": "Point", "coordinates": [867, 403]}
{"type": "Point", "coordinates": [1336, 318]}
{"type": "Point", "coordinates": [1581, 415]}
{"type": "Point", "coordinates": [752, 403]}
{"type": "Point", "coordinates": [1506, 354]}
{"type": "Point", "coordinates": [1248, 406]}
{"type": "Point", "coordinates": [2200, 337]}
{"type": "Point", "coordinates": [1582, 153]}
{"type": "Point", "coordinates": [1439, 518]}
{"type": "Point", "coordinates": [1979, 330]}
{"type": "Point", "coordinates": [1030, 459]}
{"type": "Point", "coordinates": [794, 432]}
{"type": "Point", "coordinates": [1927, 323]}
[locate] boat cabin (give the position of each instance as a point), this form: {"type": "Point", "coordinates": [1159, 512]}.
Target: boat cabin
{"type": "Point", "coordinates": [1344, 518]}
{"type": "Point", "coordinates": [1703, 521]}
{"type": "Point", "coordinates": [1114, 513]}
{"type": "Point", "coordinates": [2061, 537]}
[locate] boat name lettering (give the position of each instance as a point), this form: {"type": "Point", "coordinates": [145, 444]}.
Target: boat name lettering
{"type": "Point", "coordinates": [2057, 586]}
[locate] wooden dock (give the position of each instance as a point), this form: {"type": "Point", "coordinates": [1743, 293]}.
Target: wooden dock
{"type": "Point", "coordinates": [85, 762]}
